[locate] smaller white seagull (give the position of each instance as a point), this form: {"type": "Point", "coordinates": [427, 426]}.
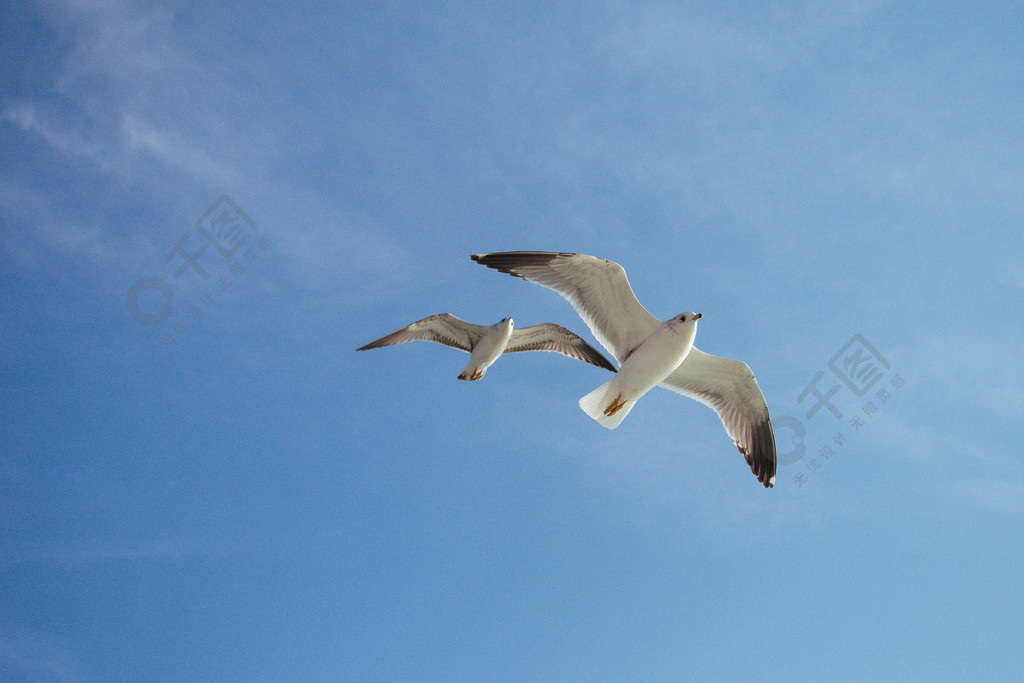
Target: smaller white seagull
{"type": "Point", "coordinates": [485, 343]}
{"type": "Point", "coordinates": [650, 352]}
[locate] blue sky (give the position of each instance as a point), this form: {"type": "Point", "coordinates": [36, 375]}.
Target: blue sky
{"type": "Point", "coordinates": [234, 493]}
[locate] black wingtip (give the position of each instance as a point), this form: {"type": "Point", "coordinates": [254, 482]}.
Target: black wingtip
{"type": "Point", "coordinates": [510, 261]}
{"type": "Point", "coordinates": [760, 455]}
{"type": "Point", "coordinates": [597, 360]}
{"type": "Point", "coordinates": [767, 461]}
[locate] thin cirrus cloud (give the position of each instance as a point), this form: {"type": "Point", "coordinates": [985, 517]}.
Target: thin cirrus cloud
{"type": "Point", "coordinates": [110, 148]}
{"type": "Point", "coordinates": [59, 136]}
{"type": "Point", "coordinates": [131, 101]}
{"type": "Point", "coordinates": [177, 152]}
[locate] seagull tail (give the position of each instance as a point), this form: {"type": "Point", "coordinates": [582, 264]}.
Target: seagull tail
{"type": "Point", "coordinates": [604, 400]}
{"type": "Point", "coordinates": [472, 373]}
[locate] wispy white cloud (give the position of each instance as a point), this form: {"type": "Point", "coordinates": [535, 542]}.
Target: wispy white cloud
{"type": "Point", "coordinates": [177, 152]}
{"type": "Point", "coordinates": [137, 102]}
{"type": "Point", "coordinates": [38, 227]}
{"type": "Point", "coordinates": [120, 46]}
{"type": "Point", "coordinates": [111, 146]}
{"type": "Point", "coordinates": [126, 86]}
{"type": "Point", "coordinates": [28, 117]}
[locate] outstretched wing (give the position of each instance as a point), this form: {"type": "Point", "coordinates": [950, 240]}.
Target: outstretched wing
{"type": "Point", "coordinates": [552, 337]}
{"type": "Point", "coordinates": [596, 288]}
{"type": "Point", "coordinates": [728, 387]}
{"type": "Point", "coordinates": [443, 328]}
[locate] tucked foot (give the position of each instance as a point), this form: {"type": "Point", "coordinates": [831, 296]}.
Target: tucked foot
{"type": "Point", "coordinates": [615, 406]}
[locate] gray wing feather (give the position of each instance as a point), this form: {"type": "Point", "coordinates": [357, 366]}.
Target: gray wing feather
{"type": "Point", "coordinates": [552, 337]}
{"type": "Point", "coordinates": [443, 328]}
{"type": "Point", "coordinates": [596, 288]}
{"type": "Point", "coordinates": [729, 388]}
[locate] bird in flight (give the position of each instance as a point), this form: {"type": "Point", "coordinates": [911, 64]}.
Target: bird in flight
{"type": "Point", "coordinates": [485, 343]}
{"type": "Point", "coordinates": [650, 352]}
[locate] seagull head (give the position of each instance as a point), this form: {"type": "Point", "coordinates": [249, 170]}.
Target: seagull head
{"type": "Point", "coordinates": [688, 317]}
{"type": "Point", "coordinates": [507, 322]}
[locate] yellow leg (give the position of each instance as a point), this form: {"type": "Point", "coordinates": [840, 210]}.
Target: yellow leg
{"type": "Point", "coordinates": [615, 406]}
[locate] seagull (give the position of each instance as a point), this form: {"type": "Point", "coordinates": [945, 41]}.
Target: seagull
{"type": "Point", "coordinates": [486, 342]}
{"type": "Point", "coordinates": [650, 352]}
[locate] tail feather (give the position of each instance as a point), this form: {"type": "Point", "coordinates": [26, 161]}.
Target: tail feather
{"type": "Point", "coordinates": [472, 374]}
{"type": "Point", "coordinates": [597, 401]}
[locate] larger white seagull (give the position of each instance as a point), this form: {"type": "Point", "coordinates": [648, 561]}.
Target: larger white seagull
{"type": "Point", "coordinates": [650, 352]}
{"type": "Point", "coordinates": [485, 343]}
